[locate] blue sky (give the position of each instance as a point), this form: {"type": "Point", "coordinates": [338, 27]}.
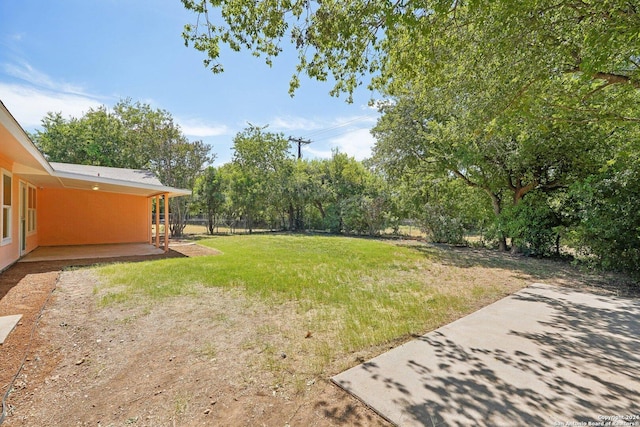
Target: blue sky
{"type": "Point", "coordinates": [70, 55]}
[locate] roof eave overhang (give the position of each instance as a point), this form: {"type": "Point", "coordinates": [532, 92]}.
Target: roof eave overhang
{"type": "Point", "coordinates": [13, 127]}
{"type": "Point", "coordinates": [29, 161]}
{"type": "Point", "coordinates": [83, 182]}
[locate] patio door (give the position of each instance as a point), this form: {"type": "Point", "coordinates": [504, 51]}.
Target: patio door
{"type": "Point", "coordinates": [22, 206]}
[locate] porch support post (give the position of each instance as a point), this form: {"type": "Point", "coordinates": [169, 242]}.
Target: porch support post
{"type": "Point", "coordinates": [166, 222]}
{"type": "Point", "coordinates": [157, 221]}
{"type": "Point", "coordinates": [150, 217]}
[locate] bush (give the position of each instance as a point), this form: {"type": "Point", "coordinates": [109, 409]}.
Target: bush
{"type": "Point", "coordinates": [440, 226]}
{"type": "Point", "coordinates": [608, 207]}
{"type": "Point", "coordinates": [532, 225]}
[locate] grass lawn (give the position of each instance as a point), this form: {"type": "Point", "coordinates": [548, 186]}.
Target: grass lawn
{"type": "Point", "coordinates": [352, 294]}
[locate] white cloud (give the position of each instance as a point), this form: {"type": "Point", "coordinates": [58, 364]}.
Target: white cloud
{"type": "Point", "coordinates": [199, 128]}
{"type": "Point", "coordinates": [317, 126]}
{"type": "Point", "coordinates": [322, 154]}
{"type": "Point", "coordinates": [290, 123]}
{"type": "Point", "coordinates": [357, 143]}
{"type": "Point", "coordinates": [26, 72]}
{"type": "Point", "coordinates": [37, 94]}
{"type": "Point", "coordinates": [350, 135]}
{"type": "Point", "coordinates": [29, 105]}
{"type": "Point", "coordinates": [30, 100]}
{"type": "Point", "coordinates": [16, 36]}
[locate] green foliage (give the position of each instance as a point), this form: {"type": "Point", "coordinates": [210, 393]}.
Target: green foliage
{"type": "Point", "coordinates": [265, 186]}
{"type": "Point", "coordinates": [609, 219]}
{"type": "Point", "coordinates": [262, 165]}
{"type": "Point", "coordinates": [500, 46]}
{"type": "Point", "coordinates": [345, 184]}
{"type": "Point", "coordinates": [535, 146]}
{"type": "Point", "coordinates": [532, 225]}
{"type": "Point", "coordinates": [440, 226]}
{"type": "Point", "coordinates": [209, 196]}
{"type": "Point", "coordinates": [97, 139]}
{"type": "Point", "coordinates": [364, 214]}
{"type": "Point", "coordinates": [517, 99]}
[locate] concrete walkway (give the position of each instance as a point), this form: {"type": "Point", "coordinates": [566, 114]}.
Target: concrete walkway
{"type": "Point", "coordinates": [7, 323]}
{"type": "Point", "coordinates": [545, 356]}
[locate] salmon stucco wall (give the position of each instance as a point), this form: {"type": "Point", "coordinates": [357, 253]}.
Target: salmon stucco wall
{"type": "Point", "coordinates": [9, 250]}
{"type": "Point", "coordinates": [85, 217]}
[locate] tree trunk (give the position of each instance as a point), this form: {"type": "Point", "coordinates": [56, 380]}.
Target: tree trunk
{"type": "Point", "coordinates": [321, 209]}
{"type": "Point", "coordinates": [495, 201]}
{"type": "Point", "coordinates": [519, 192]}
{"type": "Point", "coordinates": [299, 222]}
{"type": "Point", "coordinates": [210, 222]}
{"type": "Point", "coordinates": [292, 220]}
{"type": "Point", "coordinates": [497, 209]}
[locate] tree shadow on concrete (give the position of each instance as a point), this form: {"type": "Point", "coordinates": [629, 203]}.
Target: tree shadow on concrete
{"type": "Point", "coordinates": [579, 363]}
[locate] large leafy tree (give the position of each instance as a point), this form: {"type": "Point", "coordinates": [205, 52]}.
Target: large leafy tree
{"type": "Point", "coordinates": [518, 99]}
{"type": "Point", "coordinates": [263, 164]}
{"type": "Point", "coordinates": [98, 138]}
{"type": "Point", "coordinates": [477, 42]}
{"type": "Point", "coordinates": [130, 135]}
{"type": "Point", "coordinates": [506, 158]}
{"type": "Point", "coordinates": [348, 196]}
{"type": "Point", "coordinates": [209, 196]}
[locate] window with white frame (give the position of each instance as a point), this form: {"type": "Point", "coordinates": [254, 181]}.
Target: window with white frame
{"type": "Point", "coordinates": [31, 209]}
{"type": "Point", "coordinates": [6, 206]}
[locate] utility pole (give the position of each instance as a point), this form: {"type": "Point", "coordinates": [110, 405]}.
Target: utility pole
{"type": "Point", "coordinates": [300, 141]}
{"type": "Point", "coordinates": [298, 222]}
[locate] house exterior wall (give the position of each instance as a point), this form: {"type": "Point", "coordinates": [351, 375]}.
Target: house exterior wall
{"type": "Point", "coordinates": [8, 251]}
{"type": "Point", "coordinates": [32, 240]}
{"type": "Point", "coordinates": [10, 248]}
{"type": "Point", "coordinates": [84, 217]}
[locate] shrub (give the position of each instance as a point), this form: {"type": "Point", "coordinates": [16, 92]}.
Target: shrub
{"type": "Point", "coordinates": [532, 225]}
{"type": "Point", "coordinates": [440, 226]}
{"type": "Point", "coordinates": [608, 207]}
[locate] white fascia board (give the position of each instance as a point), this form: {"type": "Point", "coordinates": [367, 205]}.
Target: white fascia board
{"type": "Point", "coordinates": [11, 124]}
{"type": "Point", "coordinates": [91, 180]}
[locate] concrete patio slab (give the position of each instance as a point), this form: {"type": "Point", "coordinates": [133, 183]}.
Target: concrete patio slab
{"type": "Point", "coordinates": [7, 323]}
{"type": "Point", "coordinates": [545, 356]}
{"type": "Point", "coordinates": [60, 253]}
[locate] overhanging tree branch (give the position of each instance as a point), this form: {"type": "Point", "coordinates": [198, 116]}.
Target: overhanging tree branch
{"type": "Point", "coordinates": [611, 78]}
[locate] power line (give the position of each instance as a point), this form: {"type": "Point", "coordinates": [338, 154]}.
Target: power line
{"type": "Point", "coordinates": [347, 123]}
{"type": "Point", "coordinates": [300, 141]}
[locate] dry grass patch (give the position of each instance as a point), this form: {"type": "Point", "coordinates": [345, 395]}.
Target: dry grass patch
{"type": "Point", "coordinates": [330, 297]}
{"type": "Point", "coordinates": [250, 337]}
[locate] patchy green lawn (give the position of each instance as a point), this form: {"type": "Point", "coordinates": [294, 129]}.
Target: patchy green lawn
{"type": "Point", "coordinates": [361, 292]}
{"type": "Point", "coordinates": [251, 336]}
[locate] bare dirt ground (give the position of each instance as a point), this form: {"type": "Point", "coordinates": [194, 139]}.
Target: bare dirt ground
{"type": "Point", "coordinates": [185, 362]}
{"type": "Point", "coordinates": [215, 359]}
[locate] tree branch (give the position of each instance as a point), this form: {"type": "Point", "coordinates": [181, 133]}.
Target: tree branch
{"type": "Point", "coordinates": [466, 179]}
{"type": "Point", "coordinates": [611, 78]}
